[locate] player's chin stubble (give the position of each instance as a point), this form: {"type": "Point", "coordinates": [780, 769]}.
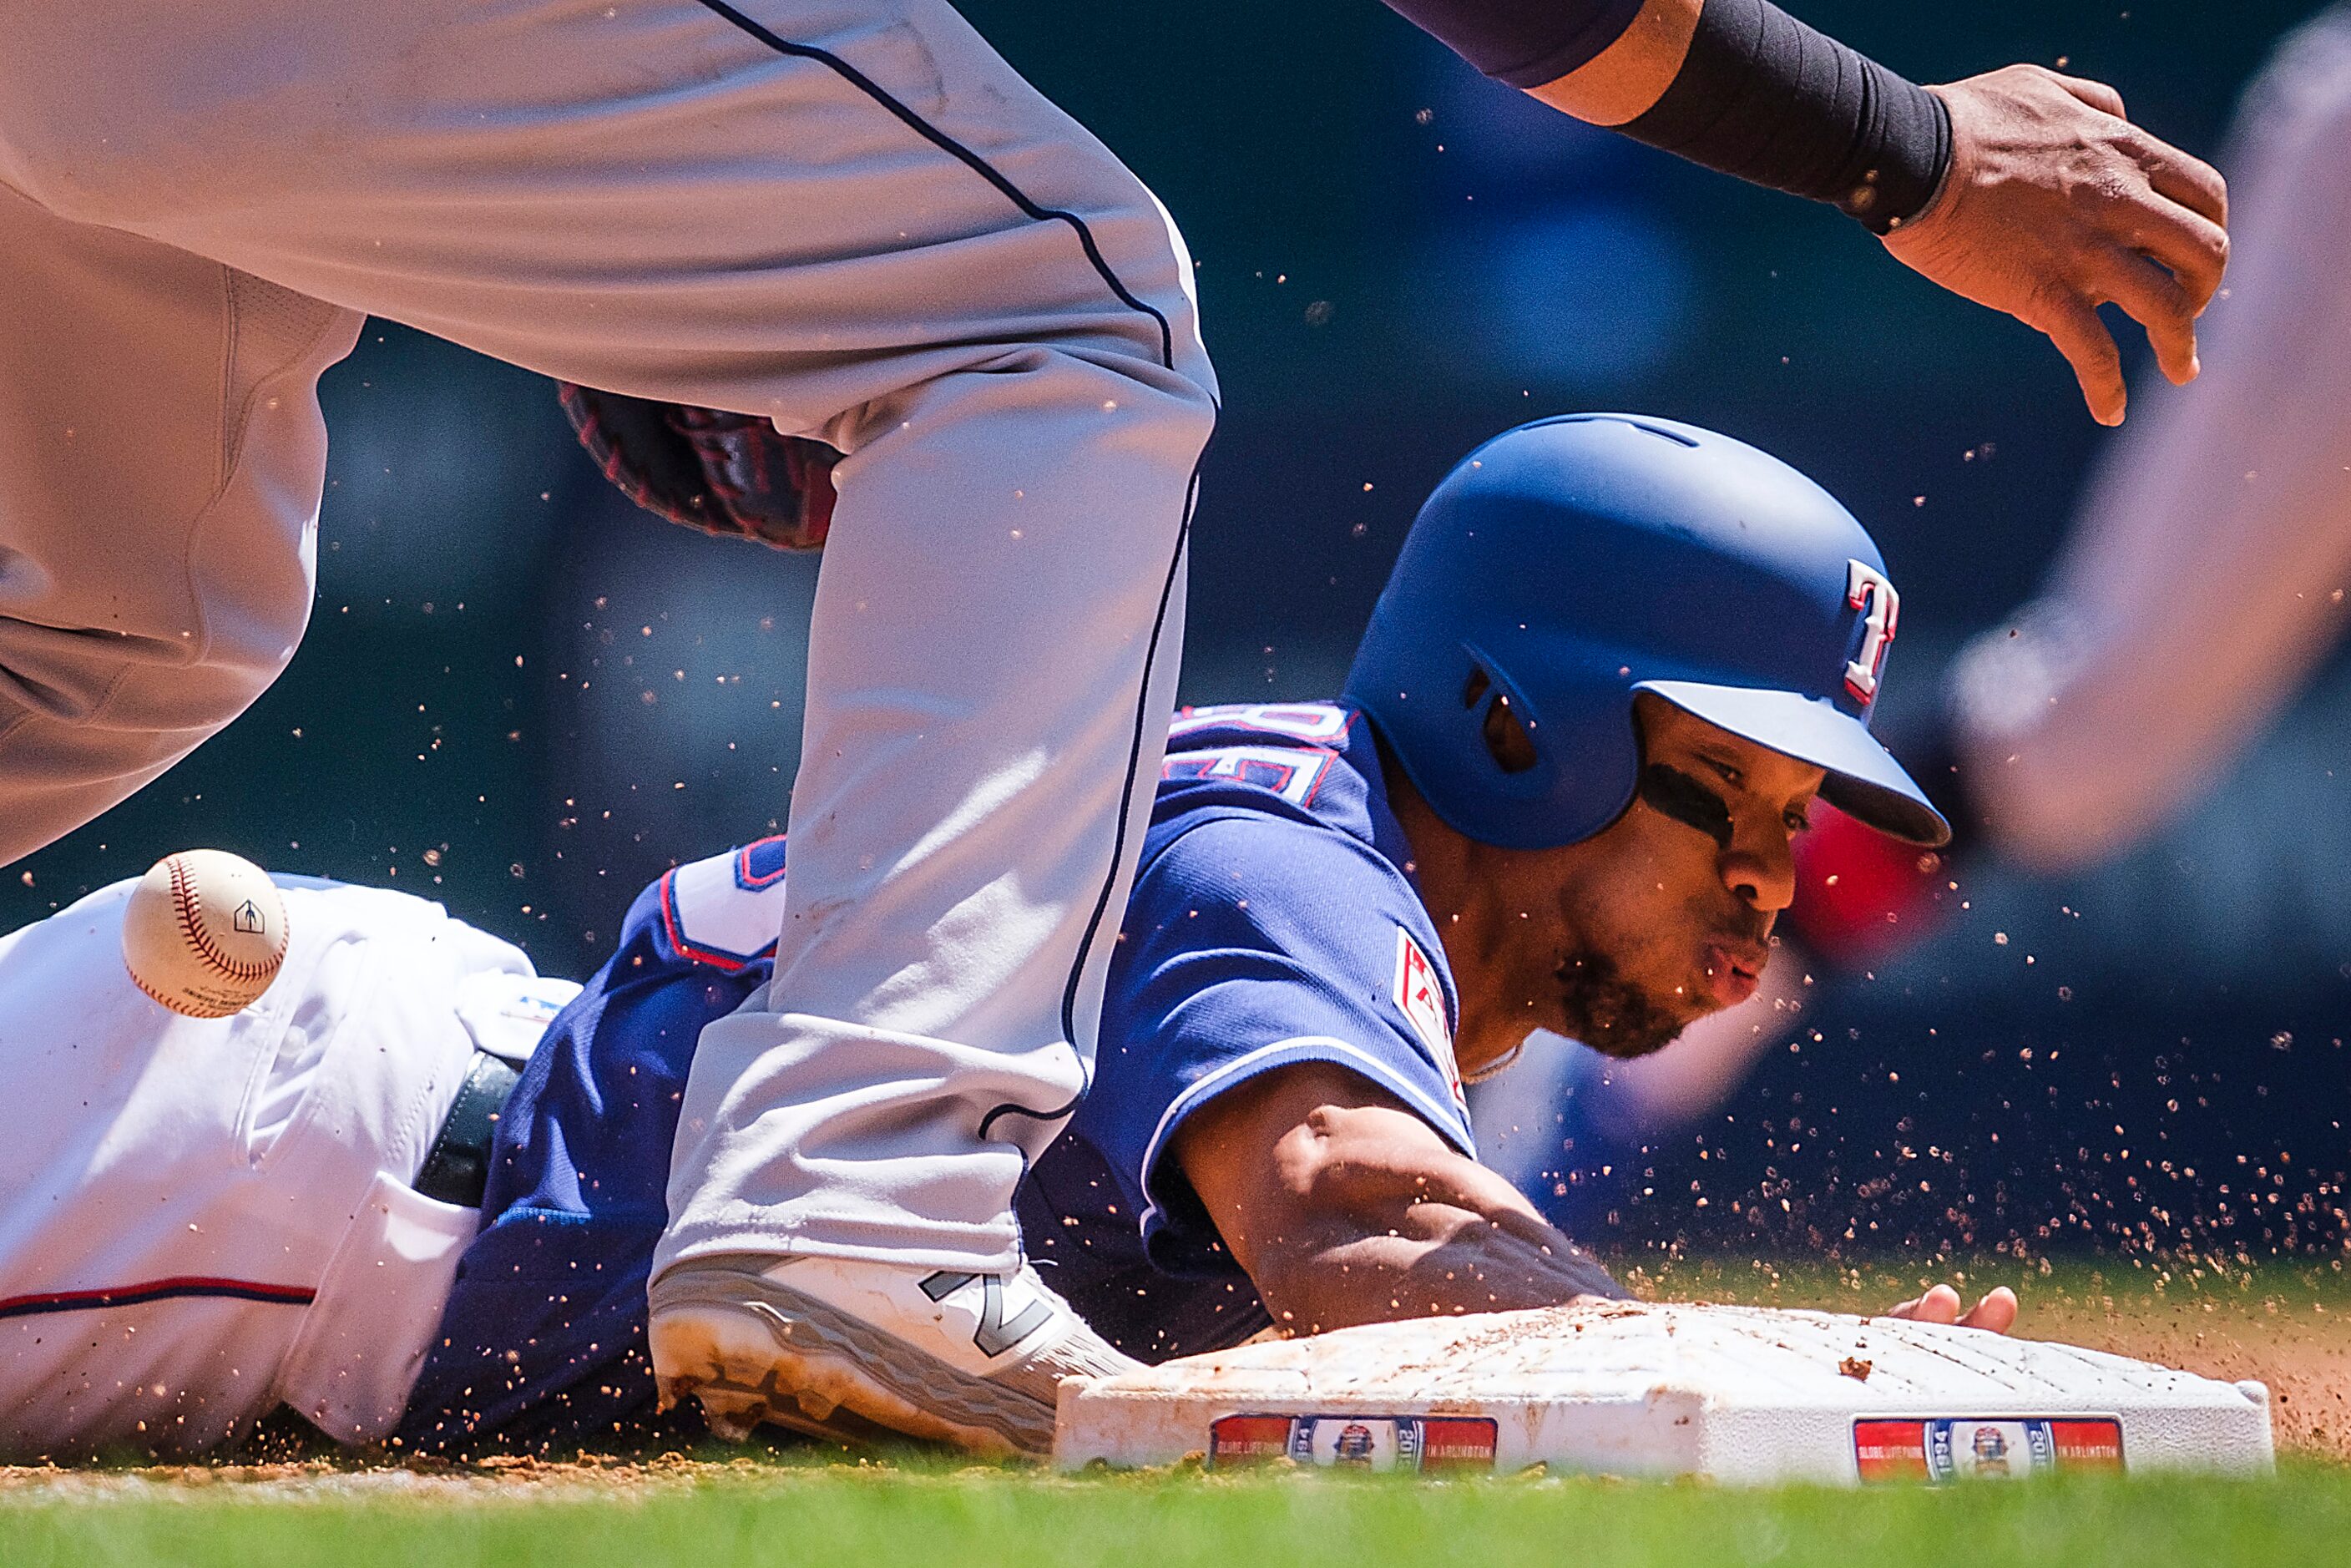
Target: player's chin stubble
{"type": "Point", "coordinates": [1613, 1015]}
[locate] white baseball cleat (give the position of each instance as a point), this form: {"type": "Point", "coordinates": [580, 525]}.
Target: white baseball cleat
{"type": "Point", "coordinates": [864, 1352]}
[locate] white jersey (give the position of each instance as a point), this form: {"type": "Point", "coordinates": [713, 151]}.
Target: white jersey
{"type": "Point", "coordinates": [203, 1219]}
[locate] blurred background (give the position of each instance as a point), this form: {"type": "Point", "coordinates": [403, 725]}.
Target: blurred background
{"type": "Point", "coordinates": [523, 698]}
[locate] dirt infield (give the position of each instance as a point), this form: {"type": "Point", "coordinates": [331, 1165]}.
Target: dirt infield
{"type": "Point", "coordinates": [363, 1477]}
{"type": "Point", "coordinates": [2302, 1349]}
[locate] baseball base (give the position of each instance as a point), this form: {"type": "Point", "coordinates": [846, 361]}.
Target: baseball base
{"type": "Point", "coordinates": [1738, 1394]}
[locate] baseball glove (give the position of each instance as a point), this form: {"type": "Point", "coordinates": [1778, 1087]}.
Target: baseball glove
{"type": "Point", "coordinates": [726, 473]}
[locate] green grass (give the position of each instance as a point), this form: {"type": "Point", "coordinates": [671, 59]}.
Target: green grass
{"type": "Point", "coordinates": [799, 1515]}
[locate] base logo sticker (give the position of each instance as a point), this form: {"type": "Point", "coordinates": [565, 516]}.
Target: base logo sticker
{"type": "Point", "coordinates": [1248, 1440]}
{"type": "Point", "coordinates": [1984, 1447]}
{"type": "Point", "coordinates": [1427, 1444]}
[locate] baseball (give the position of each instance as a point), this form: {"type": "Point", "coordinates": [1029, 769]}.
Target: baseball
{"type": "Point", "coordinates": [203, 933]}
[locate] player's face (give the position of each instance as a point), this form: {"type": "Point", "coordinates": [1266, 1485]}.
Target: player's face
{"type": "Point", "coordinates": [1624, 939]}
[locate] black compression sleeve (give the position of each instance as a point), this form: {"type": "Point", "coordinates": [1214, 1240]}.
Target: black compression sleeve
{"type": "Point", "coordinates": [1762, 96]}
{"type": "Point", "coordinates": [1767, 98]}
{"type": "Point", "coordinates": [1525, 43]}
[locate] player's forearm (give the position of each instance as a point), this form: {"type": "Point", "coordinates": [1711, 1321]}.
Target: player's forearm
{"type": "Point", "coordinates": [1374, 1227]}
{"type": "Point", "coordinates": [1344, 1207]}
{"type": "Point", "coordinates": [1625, 80]}
{"type": "Point", "coordinates": [1436, 1259]}
{"type": "Point", "coordinates": [1737, 85]}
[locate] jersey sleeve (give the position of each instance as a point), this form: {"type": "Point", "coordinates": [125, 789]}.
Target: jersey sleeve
{"type": "Point", "coordinates": [1525, 43]}
{"type": "Point", "coordinates": [1252, 942]}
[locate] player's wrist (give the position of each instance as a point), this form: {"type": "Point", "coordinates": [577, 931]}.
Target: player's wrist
{"type": "Point", "coordinates": [1944, 194]}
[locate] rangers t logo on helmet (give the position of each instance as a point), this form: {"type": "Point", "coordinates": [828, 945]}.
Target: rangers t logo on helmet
{"type": "Point", "coordinates": [1869, 591]}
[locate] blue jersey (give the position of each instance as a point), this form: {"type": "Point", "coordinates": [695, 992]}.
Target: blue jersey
{"type": "Point", "coordinates": [1273, 922]}
{"type": "Point", "coordinates": [543, 1342]}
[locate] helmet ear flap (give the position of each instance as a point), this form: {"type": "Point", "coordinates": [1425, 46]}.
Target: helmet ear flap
{"type": "Point", "coordinates": [1508, 743]}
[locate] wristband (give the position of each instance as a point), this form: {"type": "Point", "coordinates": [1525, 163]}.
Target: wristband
{"type": "Point", "coordinates": [1765, 98]}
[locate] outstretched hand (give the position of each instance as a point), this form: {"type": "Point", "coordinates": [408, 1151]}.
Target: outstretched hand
{"type": "Point", "coordinates": [1996, 1314]}
{"type": "Point", "coordinates": [2056, 204]}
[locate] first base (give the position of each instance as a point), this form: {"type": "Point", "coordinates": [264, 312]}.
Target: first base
{"type": "Point", "coordinates": [1742, 1395]}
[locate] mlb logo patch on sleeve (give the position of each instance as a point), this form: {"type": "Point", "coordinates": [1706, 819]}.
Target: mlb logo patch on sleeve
{"type": "Point", "coordinates": [1421, 996]}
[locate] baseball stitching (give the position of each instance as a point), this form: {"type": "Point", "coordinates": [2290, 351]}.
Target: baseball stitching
{"type": "Point", "coordinates": [188, 908]}
{"type": "Point", "coordinates": [186, 1006]}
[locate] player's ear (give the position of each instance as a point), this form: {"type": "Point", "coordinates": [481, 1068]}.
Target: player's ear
{"type": "Point", "coordinates": [1507, 740]}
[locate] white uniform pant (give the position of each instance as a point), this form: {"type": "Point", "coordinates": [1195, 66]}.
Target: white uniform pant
{"type": "Point", "coordinates": [847, 214]}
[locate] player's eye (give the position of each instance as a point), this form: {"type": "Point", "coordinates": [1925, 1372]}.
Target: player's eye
{"type": "Point", "coordinates": [1798, 822]}
{"type": "Point", "coordinates": [1725, 771]}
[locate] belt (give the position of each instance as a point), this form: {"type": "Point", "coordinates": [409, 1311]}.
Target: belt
{"type": "Point", "coordinates": [457, 1167]}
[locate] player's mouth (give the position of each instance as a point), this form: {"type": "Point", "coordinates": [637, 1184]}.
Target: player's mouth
{"type": "Point", "coordinates": [1731, 970]}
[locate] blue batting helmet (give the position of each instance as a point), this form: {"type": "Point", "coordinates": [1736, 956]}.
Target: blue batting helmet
{"type": "Point", "coordinates": [1567, 564]}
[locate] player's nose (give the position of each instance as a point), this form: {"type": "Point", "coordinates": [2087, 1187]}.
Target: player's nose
{"type": "Point", "coordinates": [1763, 877]}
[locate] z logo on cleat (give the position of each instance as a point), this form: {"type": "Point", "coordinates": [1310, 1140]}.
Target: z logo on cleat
{"type": "Point", "coordinates": [994, 1337]}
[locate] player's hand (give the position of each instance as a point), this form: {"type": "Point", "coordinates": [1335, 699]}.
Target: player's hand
{"type": "Point", "coordinates": [2056, 204]}
{"type": "Point", "coordinates": [1996, 1314]}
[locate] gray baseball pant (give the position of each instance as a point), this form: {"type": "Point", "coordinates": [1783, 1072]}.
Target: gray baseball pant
{"type": "Point", "coordinates": [850, 215]}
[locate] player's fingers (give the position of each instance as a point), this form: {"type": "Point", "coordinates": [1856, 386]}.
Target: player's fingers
{"type": "Point", "coordinates": [2190, 181]}
{"type": "Point", "coordinates": [1996, 1314]}
{"type": "Point", "coordinates": [2189, 245]}
{"type": "Point", "coordinates": [2073, 326]}
{"type": "Point", "coordinates": [2155, 301]}
{"type": "Point", "coordinates": [2097, 94]}
{"type": "Point", "coordinates": [1939, 1305]}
